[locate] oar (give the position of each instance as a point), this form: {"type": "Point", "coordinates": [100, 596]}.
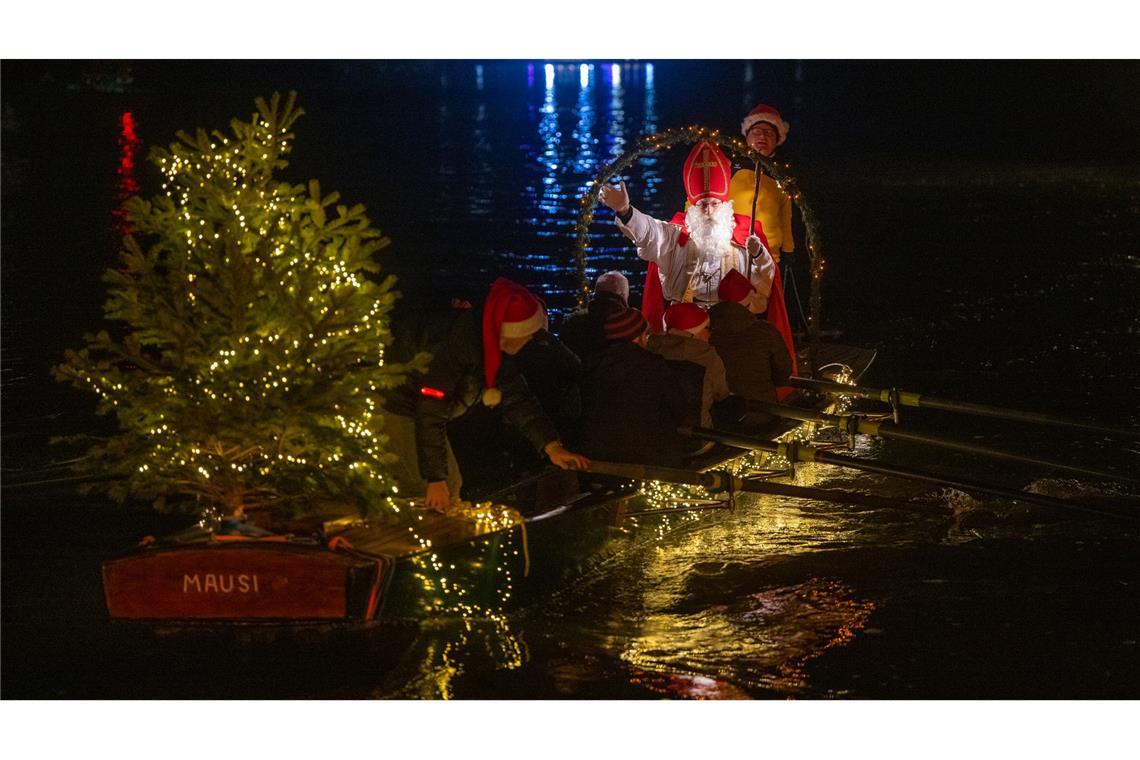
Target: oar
{"type": "Point", "coordinates": [801, 452]}
{"type": "Point", "coordinates": [896, 397]}
{"type": "Point", "coordinates": [720, 480]}
{"type": "Point", "coordinates": [856, 424]}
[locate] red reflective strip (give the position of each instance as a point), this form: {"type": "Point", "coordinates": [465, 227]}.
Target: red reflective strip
{"type": "Point", "coordinates": [433, 392]}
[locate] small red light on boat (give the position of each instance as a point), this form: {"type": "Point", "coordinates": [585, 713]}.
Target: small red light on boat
{"type": "Point", "coordinates": [432, 392]}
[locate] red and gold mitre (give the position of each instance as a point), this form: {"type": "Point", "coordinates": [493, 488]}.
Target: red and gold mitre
{"type": "Point", "coordinates": [707, 172]}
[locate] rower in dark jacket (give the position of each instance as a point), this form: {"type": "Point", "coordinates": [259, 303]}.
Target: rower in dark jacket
{"type": "Point", "coordinates": [687, 339]}
{"type": "Point", "coordinates": [631, 403]}
{"type": "Point", "coordinates": [756, 359]}
{"type": "Point", "coordinates": [467, 348]}
{"type": "Point", "coordinates": [554, 374]}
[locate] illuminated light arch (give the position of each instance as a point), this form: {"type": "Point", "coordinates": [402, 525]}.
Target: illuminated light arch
{"type": "Point", "coordinates": [737, 148]}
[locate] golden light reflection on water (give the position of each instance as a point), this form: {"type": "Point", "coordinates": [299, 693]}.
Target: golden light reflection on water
{"type": "Point", "coordinates": [693, 627]}
{"type": "Point", "coordinates": [850, 617]}
{"type": "Point", "coordinates": [719, 605]}
{"type": "Point", "coordinates": [763, 640]}
{"type": "Point", "coordinates": [447, 647]}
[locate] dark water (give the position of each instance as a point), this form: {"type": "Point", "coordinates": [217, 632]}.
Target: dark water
{"type": "Point", "coordinates": [988, 248]}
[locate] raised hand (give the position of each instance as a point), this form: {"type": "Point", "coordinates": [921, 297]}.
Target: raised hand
{"type": "Point", "coordinates": [616, 197]}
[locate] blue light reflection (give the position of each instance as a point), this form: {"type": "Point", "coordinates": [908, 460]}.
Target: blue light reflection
{"type": "Point", "coordinates": [573, 126]}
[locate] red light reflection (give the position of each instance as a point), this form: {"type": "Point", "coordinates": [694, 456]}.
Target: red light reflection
{"type": "Point", "coordinates": [127, 186]}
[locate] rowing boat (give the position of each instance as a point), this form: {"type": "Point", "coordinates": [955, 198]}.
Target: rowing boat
{"type": "Point", "coordinates": [537, 533]}
{"type": "Point", "coordinates": [503, 548]}
{"type": "Point", "coordinates": [541, 531]}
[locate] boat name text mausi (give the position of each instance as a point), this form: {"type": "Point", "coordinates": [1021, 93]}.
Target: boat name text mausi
{"type": "Point", "coordinates": [220, 583]}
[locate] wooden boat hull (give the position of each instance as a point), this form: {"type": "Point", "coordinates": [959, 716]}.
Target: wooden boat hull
{"type": "Point", "coordinates": [365, 575]}
{"type": "Point", "coordinates": [242, 581]}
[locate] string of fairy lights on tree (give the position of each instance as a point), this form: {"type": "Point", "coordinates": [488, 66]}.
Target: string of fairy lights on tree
{"type": "Point", "coordinates": [649, 144]}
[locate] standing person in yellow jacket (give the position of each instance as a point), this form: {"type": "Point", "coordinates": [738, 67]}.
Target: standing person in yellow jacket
{"type": "Point", "coordinates": [764, 131]}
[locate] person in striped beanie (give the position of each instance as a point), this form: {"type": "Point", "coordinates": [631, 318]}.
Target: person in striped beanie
{"type": "Point", "coordinates": [626, 325]}
{"type": "Point", "coordinates": [632, 400]}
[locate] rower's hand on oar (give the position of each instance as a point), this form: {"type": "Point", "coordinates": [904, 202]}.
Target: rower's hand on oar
{"type": "Point", "coordinates": [567, 460]}
{"type": "Point", "coordinates": [616, 197]}
{"type": "Point", "coordinates": [438, 496]}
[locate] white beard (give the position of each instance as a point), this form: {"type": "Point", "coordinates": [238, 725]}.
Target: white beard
{"type": "Point", "coordinates": [711, 234]}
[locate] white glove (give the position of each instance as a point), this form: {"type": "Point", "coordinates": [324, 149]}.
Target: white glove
{"type": "Point", "coordinates": [754, 246]}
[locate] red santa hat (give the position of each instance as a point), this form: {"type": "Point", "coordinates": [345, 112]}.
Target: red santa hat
{"type": "Point", "coordinates": [707, 172]}
{"type": "Point", "coordinates": [686, 316]}
{"type": "Point", "coordinates": [509, 312]}
{"type": "Point", "coordinates": [768, 115]}
{"type": "Point", "coordinates": [734, 287]}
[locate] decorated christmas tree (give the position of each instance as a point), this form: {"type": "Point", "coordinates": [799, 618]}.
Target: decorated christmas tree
{"type": "Point", "coordinates": [247, 357]}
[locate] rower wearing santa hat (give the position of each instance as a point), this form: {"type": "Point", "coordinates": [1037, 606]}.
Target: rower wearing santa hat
{"type": "Point", "coordinates": [757, 358]}
{"type": "Point", "coordinates": [687, 339]}
{"type": "Point", "coordinates": [696, 248]}
{"type": "Point", "coordinates": [467, 347]}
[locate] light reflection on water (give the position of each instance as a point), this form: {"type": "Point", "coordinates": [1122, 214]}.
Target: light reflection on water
{"type": "Point", "coordinates": [745, 603]}
{"type": "Point", "coordinates": [581, 121]}
{"type": "Point", "coordinates": [736, 599]}
{"type": "Point", "coordinates": [443, 652]}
